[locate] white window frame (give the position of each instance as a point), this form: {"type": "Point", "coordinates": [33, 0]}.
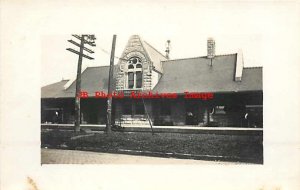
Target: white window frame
{"type": "Point", "coordinates": [134, 70]}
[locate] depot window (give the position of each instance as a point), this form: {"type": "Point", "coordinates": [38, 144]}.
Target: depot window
{"type": "Point", "coordinates": [134, 74]}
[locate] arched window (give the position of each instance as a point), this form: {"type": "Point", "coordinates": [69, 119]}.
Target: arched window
{"type": "Point", "coordinates": [130, 67]}
{"type": "Point", "coordinates": [134, 74]}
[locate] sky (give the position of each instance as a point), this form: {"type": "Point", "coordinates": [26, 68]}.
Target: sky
{"type": "Point", "coordinates": [234, 26]}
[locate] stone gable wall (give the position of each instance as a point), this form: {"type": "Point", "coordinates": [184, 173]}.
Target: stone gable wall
{"type": "Point", "coordinates": [134, 48]}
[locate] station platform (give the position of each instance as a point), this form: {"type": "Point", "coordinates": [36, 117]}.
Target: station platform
{"type": "Point", "coordinates": [162, 129]}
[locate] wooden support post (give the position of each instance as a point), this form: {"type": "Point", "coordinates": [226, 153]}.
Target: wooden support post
{"type": "Point", "coordinates": [109, 99]}
{"type": "Point", "coordinates": [207, 116]}
{"type": "Point", "coordinates": [148, 117]}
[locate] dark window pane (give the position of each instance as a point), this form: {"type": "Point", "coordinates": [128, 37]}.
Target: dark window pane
{"type": "Point", "coordinates": [139, 108]}
{"type": "Point", "coordinates": [165, 107]}
{"type": "Point", "coordinates": [138, 66]}
{"type": "Point", "coordinates": [138, 79]}
{"type": "Point", "coordinates": [127, 108]}
{"type": "Point", "coordinates": [130, 67]}
{"type": "Point", "coordinates": [130, 79]}
{"type": "Point", "coordinates": [134, 60]}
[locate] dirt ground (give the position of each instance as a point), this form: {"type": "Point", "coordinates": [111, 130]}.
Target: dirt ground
{"type": "Point", "coordinates": [55, 156]}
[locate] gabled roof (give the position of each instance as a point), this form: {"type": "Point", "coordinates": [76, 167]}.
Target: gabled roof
{"type": "Point", "coordinates": [155, 56]}
{"type": "Point", "coordinates": [53, 90]}
{"type": "Point", "coordinates": [135, 43]}
{"type": "Point", "coordinates": [178, 76]}
{"type": "Point", "coordinates": [196, 75]}
{"type": "Point", "coordinates": [192, 75]}
{"type": "Point", "coordinates": [92, 79]}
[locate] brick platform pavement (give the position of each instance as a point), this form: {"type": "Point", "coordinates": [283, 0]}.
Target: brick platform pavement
{"type": "Point", "coordinates": [55, 156]}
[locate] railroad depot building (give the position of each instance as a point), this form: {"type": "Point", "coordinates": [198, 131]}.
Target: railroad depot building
{"type": "Point", "coordinates": [233, 93]}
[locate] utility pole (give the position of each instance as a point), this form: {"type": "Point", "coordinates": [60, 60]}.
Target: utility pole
{"type": "Point", "coordinates": [111, 74]}
{"type": "Point", "coordinates": [148, 117]}
{"type": "Point", "coordinates": [84, 39]}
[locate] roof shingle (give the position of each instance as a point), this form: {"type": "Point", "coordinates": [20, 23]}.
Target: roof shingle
{"type": "Point", "coordinates": [196, 75]}
{"type": "Point", "coordinates": [192, 75]}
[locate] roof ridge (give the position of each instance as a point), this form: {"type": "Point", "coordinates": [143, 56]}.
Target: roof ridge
{"type": "Point", "coordinates": [183, 59]}
{"type": "Point", "coordinates": [55, 83]}
{"type": "Point", "coordinates": [254, 67]}
{"type": "Point", "coordinates": [198, 57]}
{"type": "Point", "coordinates": [154, 49]}
{"type": "Point", "coordinates": [225, 54]}
{"type": "Point", "coordinates": [146, 52]}
{"type": "Point", "coordinates": [98, 66]}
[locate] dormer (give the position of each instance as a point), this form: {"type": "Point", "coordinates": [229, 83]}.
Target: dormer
{"type": "Point", "coordinates": [139, 67]}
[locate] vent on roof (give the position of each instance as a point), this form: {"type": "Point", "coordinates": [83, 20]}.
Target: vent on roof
{"type": "Point", "coordinates": [210, 48]}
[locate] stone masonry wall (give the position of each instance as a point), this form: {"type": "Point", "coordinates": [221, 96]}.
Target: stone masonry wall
{"type": "Point", "coordinates": [134, 48]}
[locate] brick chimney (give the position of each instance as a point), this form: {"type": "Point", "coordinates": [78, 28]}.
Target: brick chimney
{"type": "Point", "coordinates": [211, 46]}
{"type": "Point", "coordinates": [239, 66]}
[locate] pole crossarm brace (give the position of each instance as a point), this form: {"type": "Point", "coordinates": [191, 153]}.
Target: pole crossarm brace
{"type": "Point", "coordinates": [85, 41]}
{"type": "Point", "coordinates": [76, 52]}
{"type": "Point", "coordinates": [84, 48]}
